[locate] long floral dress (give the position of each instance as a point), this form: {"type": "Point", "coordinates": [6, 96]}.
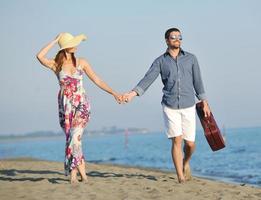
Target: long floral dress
{"type": "Point", "coordinates": [74, 113]}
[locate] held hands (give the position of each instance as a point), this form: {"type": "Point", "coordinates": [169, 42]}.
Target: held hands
{"type": "Point", "coordinates": [125, 98]}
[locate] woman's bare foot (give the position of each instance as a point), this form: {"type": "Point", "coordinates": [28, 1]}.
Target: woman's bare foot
{"type": "Point", "coordinates": [84, 181]}
{"type": "Point", "coordinates": [82, 172]}
{"type": "Point", "coordinates": [74, 181]}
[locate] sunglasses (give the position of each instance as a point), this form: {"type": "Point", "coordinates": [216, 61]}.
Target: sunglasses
{"type": "Point", "coordinates": [176, 37]}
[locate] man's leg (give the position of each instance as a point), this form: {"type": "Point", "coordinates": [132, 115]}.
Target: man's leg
{"type": "Point", "coordinates": [189, 133]}
{"type": "Point", "coordinates": [172, 120]}
{"type": "Point", "coordinates": [177, 157]}
{"type": "Point", "coordinates": [189, 148]}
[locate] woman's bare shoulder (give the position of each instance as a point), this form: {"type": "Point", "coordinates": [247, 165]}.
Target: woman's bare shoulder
{"type": "Point", "coordinates": [83, 61]}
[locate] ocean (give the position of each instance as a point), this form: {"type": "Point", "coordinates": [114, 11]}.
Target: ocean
{"type": "Point", "coordinates": [239, 162]}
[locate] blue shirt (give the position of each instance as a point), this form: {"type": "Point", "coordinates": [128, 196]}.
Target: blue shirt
{"type": "Point", "coordinates": [181, 78]}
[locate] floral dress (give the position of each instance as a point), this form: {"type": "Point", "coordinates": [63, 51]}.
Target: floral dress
{"type": "Point", "coordinates": [74, 113]}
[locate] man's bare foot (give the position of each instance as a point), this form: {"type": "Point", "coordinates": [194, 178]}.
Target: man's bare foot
{"type": "Point", "coordinates": [187, 172]}
{"type": "Point", "coordinates": [181, 180]}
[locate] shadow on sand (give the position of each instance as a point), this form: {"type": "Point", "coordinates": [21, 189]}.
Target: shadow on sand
{"type": "Point", "coordinates": [110, 174]}
{"type": "Point", "coordinates": [10, 175]}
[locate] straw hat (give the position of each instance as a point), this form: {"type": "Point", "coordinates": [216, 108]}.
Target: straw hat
{"type": "Point", "coordinates": [67, 40]}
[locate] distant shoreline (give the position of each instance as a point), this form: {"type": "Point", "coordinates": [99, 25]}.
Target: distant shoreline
{"type": "Point", "coordinates": [43, 134]}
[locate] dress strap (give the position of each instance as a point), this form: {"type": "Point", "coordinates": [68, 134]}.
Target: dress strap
{"type": "Point", "coordinates": [78, 66]}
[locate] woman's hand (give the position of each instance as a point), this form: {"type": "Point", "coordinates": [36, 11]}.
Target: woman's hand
{"type": "Point", "coordinates": [58, 37]}
{"type": "Point", "coordinates": [118, 98]}
{"type": "Point", "coordinates": [41, 56]}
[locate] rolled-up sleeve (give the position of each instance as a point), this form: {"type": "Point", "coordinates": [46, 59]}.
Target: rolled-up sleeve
{"type": "Point", "coordinates": [197, 81]}
{"type": "Point", "coordinates": [150, 76]}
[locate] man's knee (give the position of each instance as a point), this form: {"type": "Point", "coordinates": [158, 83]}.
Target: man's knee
{"type": "Point", "coordinates": [190, 144]}
{"type": "Point", "coordinates": [177, 141]}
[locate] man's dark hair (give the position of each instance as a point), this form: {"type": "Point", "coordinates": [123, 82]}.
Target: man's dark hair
{"type": "Point", "coordinates": [167, 33]}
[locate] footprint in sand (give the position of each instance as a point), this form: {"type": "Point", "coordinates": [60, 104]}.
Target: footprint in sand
{"type": "Point", "coordinates": [147, 188]}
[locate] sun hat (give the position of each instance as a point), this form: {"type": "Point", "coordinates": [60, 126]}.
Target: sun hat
{"type": "Point", "coordinates": [67, 40]}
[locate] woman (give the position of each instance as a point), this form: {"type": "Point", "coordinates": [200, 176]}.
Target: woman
{"type": "Point", "coordinates": [74, 107]}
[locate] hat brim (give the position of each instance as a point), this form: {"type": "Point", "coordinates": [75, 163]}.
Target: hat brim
{"type": "Point", "coordinates": [74, 42]}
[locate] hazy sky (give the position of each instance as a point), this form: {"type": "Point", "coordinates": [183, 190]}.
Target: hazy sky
{"type": "Point", "coordinates": [124, 38]}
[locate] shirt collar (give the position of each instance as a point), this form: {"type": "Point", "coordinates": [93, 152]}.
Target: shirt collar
{"type": "Point", "coordinates": [180, 52]}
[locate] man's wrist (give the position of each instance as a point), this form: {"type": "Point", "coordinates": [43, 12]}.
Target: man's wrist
{"type": "Point", "coordinates": [133, 93]}
{"type": "Point", "coordinates": [205, 102]}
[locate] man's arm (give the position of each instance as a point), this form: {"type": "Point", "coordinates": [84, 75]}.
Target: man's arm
{"type": "Point", "coordinates": [145, 82]}
{"type": "Point", "coordinates": [197, 81]}
{"type": "Point", "coordinates": [199, 88]}
{"type": "Point", "coordinates": [148, 79]}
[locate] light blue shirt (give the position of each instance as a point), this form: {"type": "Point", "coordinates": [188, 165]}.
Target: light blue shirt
{"type": "Point", "coordinates": [181, 78]}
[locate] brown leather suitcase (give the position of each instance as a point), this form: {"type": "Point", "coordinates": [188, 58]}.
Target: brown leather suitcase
{"type": "Point", "coordinates": [211, 130]}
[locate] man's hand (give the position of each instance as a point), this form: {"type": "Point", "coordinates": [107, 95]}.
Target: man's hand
{"type": "Point", "coordinates": [206, 109]}
{"type": "Point", "coordinates": [127, 97]}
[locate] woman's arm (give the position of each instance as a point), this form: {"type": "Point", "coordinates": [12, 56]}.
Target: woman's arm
{"type": "Point", "coordinates": [100, 83]}
{"type": "Point", "coordinates": [41, 56]}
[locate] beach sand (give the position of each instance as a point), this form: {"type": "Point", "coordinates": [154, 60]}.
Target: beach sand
{"type": "Point", "coordinates": [26, 178]}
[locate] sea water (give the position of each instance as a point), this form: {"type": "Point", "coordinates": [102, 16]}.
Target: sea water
{"type": "Point", "coordinates": [239, 161]}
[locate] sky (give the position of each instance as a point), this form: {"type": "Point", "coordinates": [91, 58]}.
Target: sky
{"type": "Point", "coordinates": [123, 39]}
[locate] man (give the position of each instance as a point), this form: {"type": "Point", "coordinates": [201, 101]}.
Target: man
{"type": "Point", "coordinates": [180, 75]}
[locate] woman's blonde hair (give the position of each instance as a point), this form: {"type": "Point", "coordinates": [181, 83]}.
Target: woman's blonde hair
{"type": "Point", "coordinates": [60, 58]}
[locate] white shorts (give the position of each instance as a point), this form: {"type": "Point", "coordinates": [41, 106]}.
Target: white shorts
{"type": "Point", "coordinates": [180, 122]}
